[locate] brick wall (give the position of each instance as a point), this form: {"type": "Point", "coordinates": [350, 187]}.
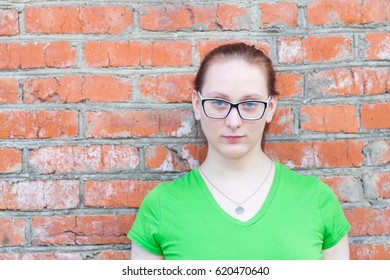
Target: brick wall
{"type": "Point", "coordinates": [95, 111]}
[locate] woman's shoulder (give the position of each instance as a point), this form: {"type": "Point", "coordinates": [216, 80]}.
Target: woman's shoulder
{"type": "Point", "coordinates": [177, 185]}
{"type": "Point", "coordinates": [305, 188]}
{"type": "Point", "coordinates": [294, 179]}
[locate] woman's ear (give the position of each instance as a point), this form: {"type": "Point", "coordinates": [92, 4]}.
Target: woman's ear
{"type": "Point", "coordinates": [196, 105]}
{"type": "Point", "coordinates": [271, 108]}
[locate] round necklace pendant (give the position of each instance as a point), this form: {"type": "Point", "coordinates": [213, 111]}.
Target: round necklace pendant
{"type": "Point", "coordinates": [239, 210]}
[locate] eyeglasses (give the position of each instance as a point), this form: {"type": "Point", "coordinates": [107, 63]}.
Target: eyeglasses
{"type": "Point", "coordinates": [217, 108]}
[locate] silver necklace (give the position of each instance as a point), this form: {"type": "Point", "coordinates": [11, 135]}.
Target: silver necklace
{"type": "Point", "coordinates": [239, 209]}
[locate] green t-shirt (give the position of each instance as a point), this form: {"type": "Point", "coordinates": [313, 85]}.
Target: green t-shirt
{"type": "Point", "coordinates": [300, 217]}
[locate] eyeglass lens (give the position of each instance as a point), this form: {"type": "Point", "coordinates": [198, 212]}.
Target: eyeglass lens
{"type": "Point", "coordinates": [216, 108]}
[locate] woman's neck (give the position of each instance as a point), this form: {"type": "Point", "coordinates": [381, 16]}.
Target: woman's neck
{"type": "Point", "coordinates": [228, 168]}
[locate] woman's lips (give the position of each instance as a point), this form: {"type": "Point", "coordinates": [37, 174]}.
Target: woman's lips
{"type": "Point", "coordinates": [233, 138]}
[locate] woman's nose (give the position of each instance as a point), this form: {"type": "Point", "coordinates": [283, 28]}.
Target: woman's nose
{"type": "Point", "coordinates": [233, 120]}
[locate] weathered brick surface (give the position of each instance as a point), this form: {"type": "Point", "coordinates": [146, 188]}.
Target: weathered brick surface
{"type": "Point", "coordinates": [176, 123]}
{"type": "Point", "coordinates": [76, 159]}
{"type": "Point", "coordinates": [330, 118]}
{"type": "Point", "coordinates": [8, 91]}
{"type": "Point", "coordinates": [97, 229]}
{"type": "Point", "coordinates": [74, 89]}
{"type": "Point", "coordinates": [38, 124]}
{"type": "Point", "coordinates": [116, 194]}
{"type": "Point", "coordinates": [95, 111]}
{"type": "Point", "coordinates": [157, 53]}
{"type": "Point", "coordinates": [50, 55]}
{"type": "Point", "coordinates": [38, 195]}
{"type": "Point", "coordinates": [275, 14]}
{"type": "Point", "coordinates": [10, 160]}
{"type": "Point", "coordinates": [12, 232]}
{"type": "Point", "coordinates": [62, 20]}
{"type": "Point", "coordinates": [9, 22]}
{"type": "Point", "coordinates": [317, 154]}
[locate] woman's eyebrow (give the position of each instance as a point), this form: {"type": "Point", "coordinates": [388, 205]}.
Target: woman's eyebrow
{"type": "Point", "coordinates": [216, 94]}
{"type": "Point", "coordinates": [253, 96]}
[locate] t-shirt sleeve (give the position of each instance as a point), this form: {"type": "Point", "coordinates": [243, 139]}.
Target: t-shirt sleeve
{"type": "Point", "coordinates": [145, 230]}
{"type": "Point", "coordinates": [336, 225]}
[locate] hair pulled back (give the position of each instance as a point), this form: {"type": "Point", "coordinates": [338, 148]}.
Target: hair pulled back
{"type": "Point", "coordinates": [237, 51]}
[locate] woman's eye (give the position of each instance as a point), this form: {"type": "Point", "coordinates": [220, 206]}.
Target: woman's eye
{"type": "Point", "coordinates": [249, 105]}
{"type": "Point", "coordinates": [219, 103]}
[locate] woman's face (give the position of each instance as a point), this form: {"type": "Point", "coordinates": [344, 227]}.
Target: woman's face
{"type": "Point", "coordinates": [234, 80]}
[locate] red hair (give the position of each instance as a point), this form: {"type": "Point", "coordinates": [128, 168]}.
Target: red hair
{"type": "Point", "coordinates": [241, 51]}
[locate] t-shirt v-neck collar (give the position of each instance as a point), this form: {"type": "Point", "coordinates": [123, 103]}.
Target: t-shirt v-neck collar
{"type": "Point", "coordinates": [260, 213]}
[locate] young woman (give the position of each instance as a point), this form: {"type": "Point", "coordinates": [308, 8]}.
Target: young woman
{"type": "Point", "coordinates": [239, 204]}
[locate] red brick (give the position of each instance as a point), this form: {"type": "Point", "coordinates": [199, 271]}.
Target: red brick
{"type": "Point", "coordinates": [168, 88]}
{"type": "Point", "coordinates": [378, 152]}
{"type": "Point", "coordinates": [202, 17]}
{"type": "Point", "coordinates": [194, 154]}
{"type": "Point", "coordinates": [203, 47]}
{"type": "Point", "coordinates": [291, 50]}
{"type": "Point", "coordinates": [9, 89]}
{"type": "Point", "coordinates": [102, 255]}
{"type": "Point", "coordinates": [74, 159]}
{"type": "Point", "coordinates": [205, 17]}
{"type": "Point", "coordinates": [348, 12]}
{"type": "Point", "coordinates": [38, 195]}
{"type": "Point", "coordinates": [289, 85]}
{"type": "Point", "coordinates": [160, 158]}
{"type": "Point", "coordinates": [60, 54]}
{"type": "Point", "coordinates": [99, 229]}
{"type": "Point", "coordinates": [113, 255]}
{"type": "Point", "coordinates": [368, 221]}
{"type": "Point", "coordinates": [114, 54]}
{"type": "Point", "coordinates": [317, 154]}
{"type": "Point", "coordinates": [322, 12]}
{"type": "Point", "coordinates": [63, 20]}
{"type": "Point", "coordinates": [375, 11]}
{"type": "Point", "coordinates": [9, 22]}
{"type": "Point", "coordinates": [347, 188]}
{"type": "Point", "coordinates": [355, 81]}
{"type": "Point", "coordinates": [106, 89]}
{"type": "Point", "coordinates": [378, 46]}
{"type": "Point", "coordinates": [166, 17]}
{"type": "Point", "coordinates": [369, 251]}
{"type": "Point", "coordinates": [375, 116]}
{"type": "Point", "coordinates": [279, 14]}
{"type": "Point", "coordinates": [329, 118]}
{"type": "Point", "coordinates": [377, 185]}
{"type": "Point", "coordinates": [375, 81]}
{"type": "Point", "coordinates": [116, 194]}
{"type": "Point", "coordinates": [176, 123]}
{"type": "Point", "coordinates": [327, 48]}
{"type": "Point", "coordinates": [72, 89]}
{"type": "Point", "coordinates": [157, 53]}
{"type": "Point", "coordinates": [40, 256]}
{"type": "Point", "coordinates": [54, 54]}
{"type": "Point", "coordinates": [282, 122]}
{"type": "Point", "coordinates": [231, 17]}
{"type": "Point", "coordinates": [10, 160]}
{"type": "Point", "coordinates": [38, 124]}
{"type": "Point", "coordinates": [58, 89]}
{"type": "Point", "coordinates": [314, 49]}
{"type": "Point", "coordinates": [171, 53]}
{"type": "Point", "coordinates": [12, 232]}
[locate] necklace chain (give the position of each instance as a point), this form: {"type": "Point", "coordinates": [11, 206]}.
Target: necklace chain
{"type": "Point", "coordinates": [239, 209]}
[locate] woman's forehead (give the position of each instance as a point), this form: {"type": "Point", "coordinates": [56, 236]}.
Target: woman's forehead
{"type": "Point", "coordinates": [232, 75]}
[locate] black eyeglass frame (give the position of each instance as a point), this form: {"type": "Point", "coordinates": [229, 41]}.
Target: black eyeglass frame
{"type": "Point", "coordinates": [234, 105]}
